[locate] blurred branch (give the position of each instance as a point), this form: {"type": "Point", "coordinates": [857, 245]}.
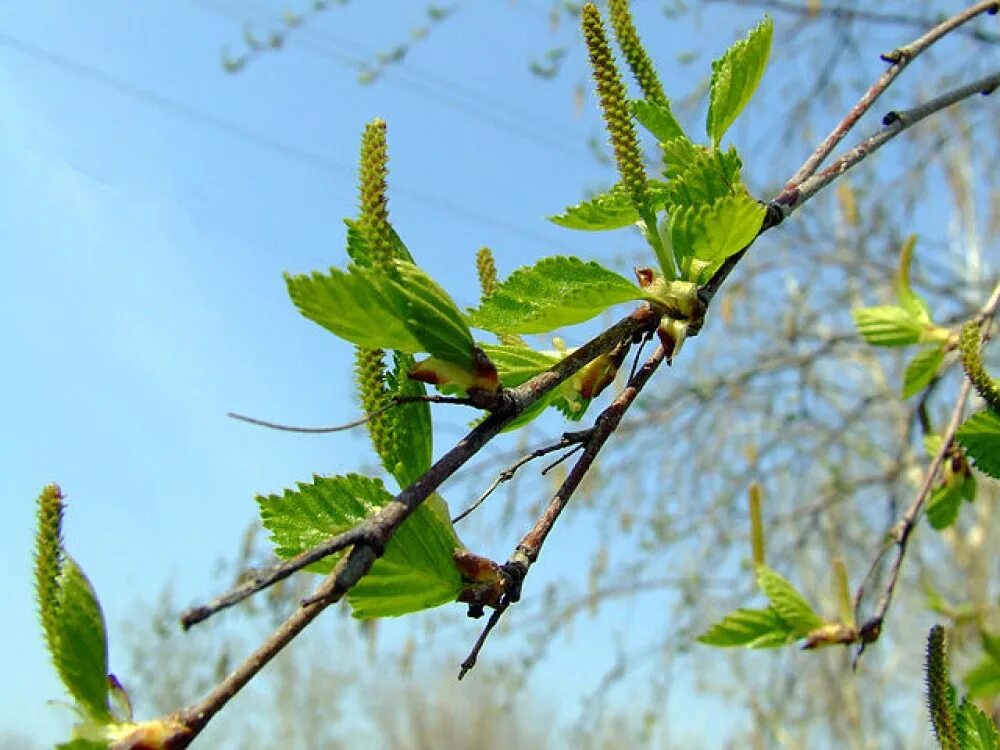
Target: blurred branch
{"type": "Point", "coordinates": [900, 534]}
{"type": "Point", "coordinates": [841, 13]}
{"type": "Point", "coordinates": [900, 58]}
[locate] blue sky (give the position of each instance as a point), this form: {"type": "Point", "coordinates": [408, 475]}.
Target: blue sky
{"type": "Point", "coordinates": [150, 203]}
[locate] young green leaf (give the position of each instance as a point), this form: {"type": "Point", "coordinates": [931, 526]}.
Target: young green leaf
{"type": "Point", "coordinates": [416, 572]}
{"type": "Point", "coordinates": [609, 210]}
{"type": "Point", "coordinates": [71, 615]}
{"type": "Point", "coordinates": [82, 660]}
{"type": "Point", "coordinates": [921, 370]}
{"type": "Point", "coordinates": [790, 605]}
{"type": "Point", "coordinates": [980, 436]}
{"type": "Point", "coordinates": [657, 118]}
{"type": "Point", "coordinates": [413, 436]}
{"type": "Point", "coordinates": [699, 175]}
{"type": "Point", "coordinates": [518, 364]}
{"type": "Point", "coordinates": [711, 233]}
{"type": "Point", "coordinates": [402, 309]}
{"type": "Point", "coordinates": [887, 325]}
{"type": "Point", "coordinates": [612, 209]}
{"type": "Point", "coordinates": [735, 77]}
{"type": "Point", "coordinates": [430, 313]}
{"type": "Point", "coordinates": [555, 292]}
{"type": "Point", "coordinates": [351, 305]}
{"type": "Point", "coordinates": [753, 628]}
{"type": "Point", "coordinates": [943, 506]}
{"type": "Point", "coordinates": [976, 731]}
{"type": "Point", "coordinates": [908, 299]}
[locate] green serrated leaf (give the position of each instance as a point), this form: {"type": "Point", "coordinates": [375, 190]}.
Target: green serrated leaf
{"type": "Point", "coordinates": [976, 730]}
{"type": "Point", "coordinates": [413, 443]}
{"type": "Point", "coordinates": [980, 436]}
{"type": "Point", "coordinates": [82, 656]}
{"type": "Point", "coordinates": [612, 209]}
{"type": "Point", "coordinates": [518, 364]}
{"type": "Point", "coordinates": [351, 305]}
{"type": "Point", "coordinates": [555, 292]}
{"type": "Point", "coordinates": [416, 572]}
{"type": "Point", "coordinates": [921, 370]}
{"type": "Point", "coordinates": [699, 175]}
{"type": "Point", "coordinates": [942, 508]}
{"type": "Point", "coordinates": [657, 118]}
{"type": "Point", "coordinates": [753, 628]}
{"type": "Point", "coordinates": [430, 314]}
{"type": "Point", "coordinates": [403, 309]}
{"type": "Point", "coordinates": [887, 325]}
{"type": "Point", "coordinates": [609, 210]}
{"type": "Point", "coordinates": [735, 77]}
{"type": "Point", "coordinates": [711, 233]}
{"type": "Point", "coordinates": [790, 605]}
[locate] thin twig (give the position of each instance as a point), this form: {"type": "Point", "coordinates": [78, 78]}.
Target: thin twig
{"type": "Point", "coordinates": [900, 534]}
{"type": "Point", "coordinates": [528, 550]}
{"type": "Point", "coordinates": [397, 401]}
{"type": "Point", "coordinates": [378, 528]}
{"type": "Point", "coordinates": [793, 195]}
{"type": "Point", "coordinates": [568, 439]}
{"type": "Point", "coordinates": [842, 13]}
{"type": "Point", "coordinates": [900, 58]}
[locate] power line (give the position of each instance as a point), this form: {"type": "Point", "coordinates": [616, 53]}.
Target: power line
{"type": "Point", "coordinates": [262, 140]}
{"type": "Point", "coordinates": [506, 117]}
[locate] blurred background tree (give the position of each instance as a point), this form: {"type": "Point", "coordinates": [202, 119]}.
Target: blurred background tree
{"type": "Point", "coordinates": [779, 389]}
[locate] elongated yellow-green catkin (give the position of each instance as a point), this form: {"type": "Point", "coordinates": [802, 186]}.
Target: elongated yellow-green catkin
{"type": "Point", "coordinates": [614, 106]}
{"type": "Point", "coordinates": [369, 372]}
{"type": "Point", "coordinates": [939, 701]}
{"type": "Point", "coordinates": [373, 175]}
{"type": "Point", "coordinates": [486, 267]}
{"type": "Point", "coordinates": [48, 561]}
{"type": "Point", "coordinates": [972, 362]}
{"type": "Point", "coordinates": [635, 54]}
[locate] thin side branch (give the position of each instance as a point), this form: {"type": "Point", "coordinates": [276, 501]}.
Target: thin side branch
{"type": "Point", "coordinates": [900, 58]}
{"type": "Point", "coordinates": [568, 439]}
{"type": "Point", "coordinates": [526, 553]}
{"type": "Point", "coordinates": [842, 13]}
{"type": "Point", "coordinates": [901, 532]}
{"type": "Point", "coordinates": [376, 530]}
{"type": "Point", "coordinates": [794, 195]}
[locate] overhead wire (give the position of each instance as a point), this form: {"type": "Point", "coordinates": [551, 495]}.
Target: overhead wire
{"type": "Point", "coordinates": [503, 116]}
{"type": "Point", "coordinates": [262, 140]}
